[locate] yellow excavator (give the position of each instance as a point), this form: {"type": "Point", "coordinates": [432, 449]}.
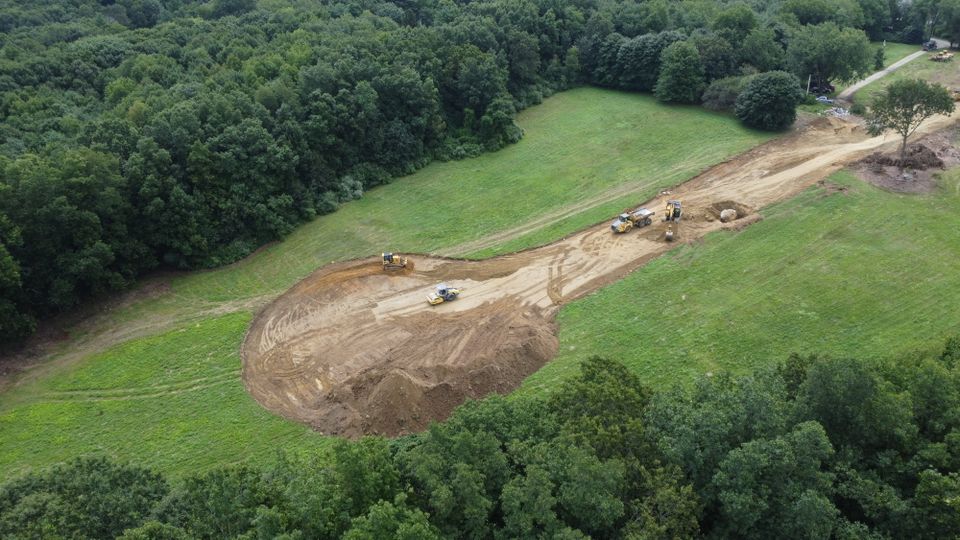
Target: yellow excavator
{"type": "Point", "coordinates": [672, 216]}
{"type": "Point", "coordinates": [392, 261]}
{"type": "Point", "coordinates": [443, 293]}
{"type": "Point", "coordinates": [674, 211]}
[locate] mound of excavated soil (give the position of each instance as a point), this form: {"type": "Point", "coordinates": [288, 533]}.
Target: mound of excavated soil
{"type": "Point", "coordinates": [918, 158]}
{"type": "Point", "coordinates": [329, 356]}
{"type": "Point", "coordinates": [715, 209]}
{"type": "Point", "coordinates": [353, 349]}
{"type": "Point", "coordinates": [923, 161]}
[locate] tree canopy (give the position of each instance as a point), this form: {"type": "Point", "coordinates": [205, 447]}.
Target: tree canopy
{"type": "Point", "coordinates": [905, 104]}
{"type": "Point", "coordinates": [807, 447]}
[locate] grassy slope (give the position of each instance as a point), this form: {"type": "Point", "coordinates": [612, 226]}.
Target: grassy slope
{"type": "Point", "coordinates": [577, 144]}
{"type": "Point", "coordinates": [897, 51]}
{"type": "Point", "coordinates": [946, 73]}
{"type": "Point", "coordinates": [865, 273]}
{"type": "Point", "coordinates": [175, 399]}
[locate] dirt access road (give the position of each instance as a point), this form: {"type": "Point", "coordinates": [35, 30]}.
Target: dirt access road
{"type": "Point", "coordinates": [352, 350]}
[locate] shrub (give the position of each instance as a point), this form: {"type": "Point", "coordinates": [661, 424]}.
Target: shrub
{"type": "Point", "coordinates": [722, 94]}
{"type": "Point", "coordinates": [770, 101]}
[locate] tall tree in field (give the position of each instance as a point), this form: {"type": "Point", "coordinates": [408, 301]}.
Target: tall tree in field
{"type": "Point", "coordinates": [906, 104]}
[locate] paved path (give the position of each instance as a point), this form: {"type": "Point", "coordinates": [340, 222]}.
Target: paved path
{"type": "Point", "coordinates": [852, 89]}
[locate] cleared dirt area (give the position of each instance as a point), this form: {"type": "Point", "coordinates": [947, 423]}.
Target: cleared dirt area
{"type": "Point", "coordinates": [354, 350]}
{"type": "Point", "coordinates": [924, 160]}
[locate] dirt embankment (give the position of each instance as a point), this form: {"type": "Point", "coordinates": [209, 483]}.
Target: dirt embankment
{"type": "Point", "coordinates": [355, 350]}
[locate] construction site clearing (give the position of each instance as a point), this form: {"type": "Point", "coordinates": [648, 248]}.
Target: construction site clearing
{"type": "Point", "coordinates": [353, 349]}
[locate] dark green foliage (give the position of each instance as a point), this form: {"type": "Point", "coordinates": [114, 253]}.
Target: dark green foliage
{"type": "Point", "coordinates": [84, 498]}
{"type": "Point", "coordinates": [216, 127]}
{"type": "Point", "coordinates": [776, 488]}
{"type": "Point", "coordinates": [879, 58]}
{"type": "Point", "coordinates": [827, 52]}
{"type": "Point", "coordinates": [718, 57]}
{"type": "Point", "coordinates": [761, 50]}
{"type": "Point", "coordinates": [633, 63]}
{"type": "Point", "coordinates": [722, 94]}
{"type": "Point", "coordinates": [735, 22]}
{"type": "Point", "coordinates": [770, 101]}
{"type": "Point", "coordinates": [392, 520]}
{"type": "Point", "coordinates": [222, 503]}
{"type": "Point", "coordinates": [811, 448]}
{"type": "Point", "coordinates": [154, 530]}
{"type": "Point", "coordinates": [681, 74]}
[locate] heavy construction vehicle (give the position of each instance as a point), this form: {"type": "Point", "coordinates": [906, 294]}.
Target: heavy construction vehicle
{"type": "Point", "coordinates": [674, 211]}
{"type": "Point", "coordinates": [942, 56]}
{"type": "Point", "coordinates": [641, 217]}
{"type": "Point", "coordinates": [443, 293]}
{"type": "Point", "coordinates": [392, 261]}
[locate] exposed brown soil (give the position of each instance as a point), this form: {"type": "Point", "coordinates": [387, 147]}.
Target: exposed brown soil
{"type": "Point", "coordinates": [923, 161]}
{"type": "Point", "coordinates": [355, 350]}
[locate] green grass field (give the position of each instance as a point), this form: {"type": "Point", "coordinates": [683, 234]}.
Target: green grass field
{"type": "Point", "coordinates": [896, 52]}
{"type": "Point", "coordinates": [866, 273]}
{"type": "Point", "coordinates": [946, 73]}
{"type": "Point", "coordinates": [174, 398]}
{"type": "Point", "coordinates": [175, 401]}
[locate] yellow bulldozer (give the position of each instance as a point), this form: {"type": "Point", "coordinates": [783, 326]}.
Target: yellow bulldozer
{"type": "Point", "coordinates": [392, 261]}
{"type": "Point", "coordinates": [942, 56]}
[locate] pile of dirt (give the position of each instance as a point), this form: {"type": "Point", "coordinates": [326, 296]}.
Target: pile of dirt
{"type": "Point", "coordinates": [924, 160]}
{"type": "Point", "coordinates": [324, 357]}
{"type": "Point", "coordinates": [918, 158]}
{"type": "Point", "coordinates": [715, 211]}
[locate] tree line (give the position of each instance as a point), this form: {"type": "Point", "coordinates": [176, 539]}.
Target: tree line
{"type": "Point", "coordinates": [811, 447]}
{"type": "Point", "coordinates": [144, 134]}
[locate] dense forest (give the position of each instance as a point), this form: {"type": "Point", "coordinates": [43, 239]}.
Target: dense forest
{"type": "Point", "coordinates": [145, 134]}
{"type": "Point", "coordinates": [810, 448]}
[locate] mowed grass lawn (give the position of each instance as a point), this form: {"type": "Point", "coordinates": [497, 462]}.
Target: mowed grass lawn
{"type": "Point", "coordinates": [945, 73]}
{"type": "Point", "coordinates": [175, 399]}
{"type": "Point", "coordinates": [896, 52]}
{"type": "Point", "coordinates": [865, 273]}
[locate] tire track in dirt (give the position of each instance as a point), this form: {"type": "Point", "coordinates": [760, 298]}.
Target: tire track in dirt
{"type": "Point", "coordinates": [352, 350]}
{"type": "Point", "coordinates": [139, 392]}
